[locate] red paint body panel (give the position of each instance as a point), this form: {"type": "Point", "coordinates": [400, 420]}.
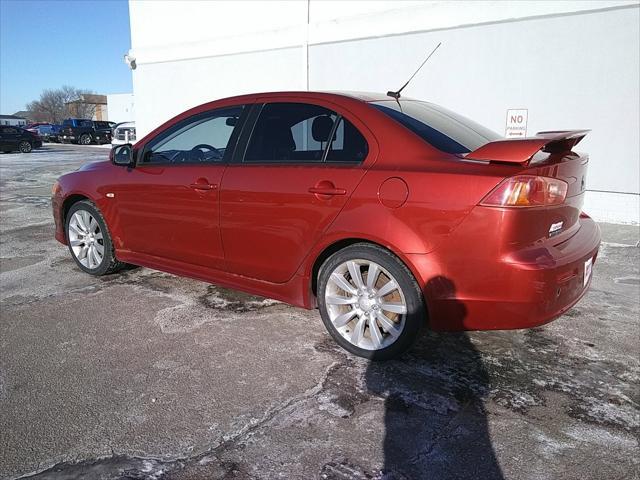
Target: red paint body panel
{"type": "Point", "coordinates": [262, 230]}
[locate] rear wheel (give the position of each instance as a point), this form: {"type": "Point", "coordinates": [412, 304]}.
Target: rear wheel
{"type": "Point", "coordinates": [89, 240]}
{"type": "Point", "coordinates": [370, 302]}
{"type": "Point", "coordinates": [25, 147]}
{"type": "Point", "coordinates": [85, 139]}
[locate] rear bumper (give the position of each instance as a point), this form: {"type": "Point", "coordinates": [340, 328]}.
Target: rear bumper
{"type": "Point", "coordinates": [520, 289]}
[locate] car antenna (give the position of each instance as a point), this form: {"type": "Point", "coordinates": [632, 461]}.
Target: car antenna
{"type": "Point", "coordinates": [396, 95]}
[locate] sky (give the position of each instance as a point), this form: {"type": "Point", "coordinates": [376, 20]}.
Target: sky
{"type": "Point", "coordinates": [51, 43]}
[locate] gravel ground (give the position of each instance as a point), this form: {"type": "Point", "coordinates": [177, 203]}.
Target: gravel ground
{"type": "Point", "coordinates": [147, 375]}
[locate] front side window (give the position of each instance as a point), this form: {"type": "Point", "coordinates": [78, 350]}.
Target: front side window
{"type": "Point", "coordinates": [202, 139]}
{"type": "Point", "coordinates": [10, 130]}
{"type": "Point", "coordinates": [445, 130]}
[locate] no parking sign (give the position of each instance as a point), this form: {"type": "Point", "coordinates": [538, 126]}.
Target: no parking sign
{"type": "Point", "coordinates": [516, 123]}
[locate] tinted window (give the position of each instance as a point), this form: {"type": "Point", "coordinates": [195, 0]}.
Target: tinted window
{"type": "Point", "coordinates": [290, 133]}
{"type": "Point", "coordinates": [203, 139]}
{"type": "Point", "coordinates": [348, 145]}
{"type": "Point", "coordinates": [10, 130]}
{"type": "Point", "coordinates": [445, 130]}
{"type": "Point", "coordinates": [85, 123]}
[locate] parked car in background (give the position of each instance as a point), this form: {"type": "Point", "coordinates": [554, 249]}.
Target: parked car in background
{"type": "Point", "coordinates": [16, 138]}
{"type": "Point", "coordinates": [85, 132]}
{"type": "Point", "coordinates": [123, 133]}
{"type": "Point", "coordinates": [31, 126]}
{"type": "Point", "coordinates": [47, 131]}
{"type": "Point", "coordinates": [387, 214]}
{"type": "Point", "coordinates": [54, 135]}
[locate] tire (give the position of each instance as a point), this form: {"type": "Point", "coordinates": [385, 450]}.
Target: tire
{"type": "Point", "coordinates": [83, 237]}
{"type": "Point", "coordinates": [343, 316]}
{"type": "Point", "coordinates": [25, 147]}
{"type": "Point", "coordinates": [85, 139]}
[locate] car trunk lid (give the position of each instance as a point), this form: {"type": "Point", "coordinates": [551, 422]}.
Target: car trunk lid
{"type": "Point", "coordinates": [549, 155]}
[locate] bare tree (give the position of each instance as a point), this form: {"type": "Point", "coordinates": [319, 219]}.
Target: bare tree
{"type": "Point", "coordinates": [54, 105]}
{"type": "Point", "coordinates": [83, 109]}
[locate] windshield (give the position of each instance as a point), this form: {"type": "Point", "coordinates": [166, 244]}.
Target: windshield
{"type": "Point", "coordinates": [441, 128]}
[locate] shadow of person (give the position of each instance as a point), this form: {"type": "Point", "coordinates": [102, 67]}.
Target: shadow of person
{"type": "Point", "coordinates": [435, 420]}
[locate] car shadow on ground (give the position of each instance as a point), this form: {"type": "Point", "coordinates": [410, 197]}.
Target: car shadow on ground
{"type": "Point", "coordinates": [435, 419]}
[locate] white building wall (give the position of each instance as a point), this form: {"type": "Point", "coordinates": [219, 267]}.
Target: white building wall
{"type": "Point", "coordinates": [14, 122]}
{"type": "Point", "coordinates": [572, 64]}
{"type": "Point", "coordinates": [121, 107]}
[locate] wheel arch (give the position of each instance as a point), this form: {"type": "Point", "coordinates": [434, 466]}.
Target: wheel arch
{"type": "Point", "coordinates": [69, 202]}
{"type": "Point", "coordinates": [338, 244]}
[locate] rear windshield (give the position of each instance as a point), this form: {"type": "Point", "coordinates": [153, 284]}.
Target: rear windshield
{"type": "Point", "coordinates": [441, 128]}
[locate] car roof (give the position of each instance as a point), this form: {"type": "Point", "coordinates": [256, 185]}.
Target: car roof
{"type": "Point", "coordinates": [357, 95]}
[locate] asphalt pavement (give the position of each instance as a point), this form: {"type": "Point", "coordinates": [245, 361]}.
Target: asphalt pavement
{"type": "Point", "coordinates": [143, 374]}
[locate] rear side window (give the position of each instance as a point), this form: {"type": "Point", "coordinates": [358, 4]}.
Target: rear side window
{"type": "Point", "coordinates": [301, 133]}
{"type": "Point", "coordinates": [445, 130]}
{"type": "Point", "coordinates": [290, 133]}
{"type": "Point", "coordinates": [348, 144]}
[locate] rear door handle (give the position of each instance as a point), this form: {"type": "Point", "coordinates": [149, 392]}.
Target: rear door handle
{"type": "Point", "coordinates": [327, 191]}
{"type": "Point", "coordinates": [203, 186]}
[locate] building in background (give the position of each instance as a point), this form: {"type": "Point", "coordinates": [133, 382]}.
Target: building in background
{"type": "Point", "coordinates": [564, 65]}
{"type": "Point", "coordinates": [24, 114]}
{"type": "Point", "coordinates": [13, 120]}
{"type": "Point", "coordinates": [88, 105]}
{"type": "Point", "coordinates": [120, 107]}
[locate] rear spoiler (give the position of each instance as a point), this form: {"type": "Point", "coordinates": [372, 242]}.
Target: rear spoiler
{"type": "Point", "coordinates": [520, 150]}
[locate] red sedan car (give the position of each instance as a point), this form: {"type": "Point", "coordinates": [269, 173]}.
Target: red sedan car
{"type": "Point", "coordinates": [386, 214]}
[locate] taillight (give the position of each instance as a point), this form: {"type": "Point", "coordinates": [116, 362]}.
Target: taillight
{"type": "Point", "coordinates": [527, 191]}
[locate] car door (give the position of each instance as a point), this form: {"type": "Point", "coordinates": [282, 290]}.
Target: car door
{"type": "Point", "coordinates": [168, 205]}
{"type": "Point", "coordinates": [287, 186]}
{"type": "Point", "coordinates": [4, 143]}
{"type": "Point", "coordinates": [10, 138]}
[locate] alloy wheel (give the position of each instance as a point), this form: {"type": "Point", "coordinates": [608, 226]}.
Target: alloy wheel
{"type": "Point", "coordinates": [365, 304]}
{"type": "Point", "coordinates": [25, 147]}
{"type": "Point", "coordinates": [86, 239]}
{"type": "Point", "coordinates": [85, 139]}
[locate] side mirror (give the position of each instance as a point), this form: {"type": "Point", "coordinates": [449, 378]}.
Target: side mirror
{"type": "Point", "coordinates": [122, 155]}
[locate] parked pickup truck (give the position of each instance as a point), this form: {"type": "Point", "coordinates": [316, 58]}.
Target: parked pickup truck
{"type": "Point", "coordinates": [85, 132]}
{"type": "Point", "coordinates": [123, 133]}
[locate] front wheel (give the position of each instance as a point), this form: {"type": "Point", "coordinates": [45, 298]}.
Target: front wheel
{"type": "Point", "coordinates": [370, 302]}
{"type": "Point", "coordinates": [89, 240]}
{"type": "Point", "coordinates": [85, 139]}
